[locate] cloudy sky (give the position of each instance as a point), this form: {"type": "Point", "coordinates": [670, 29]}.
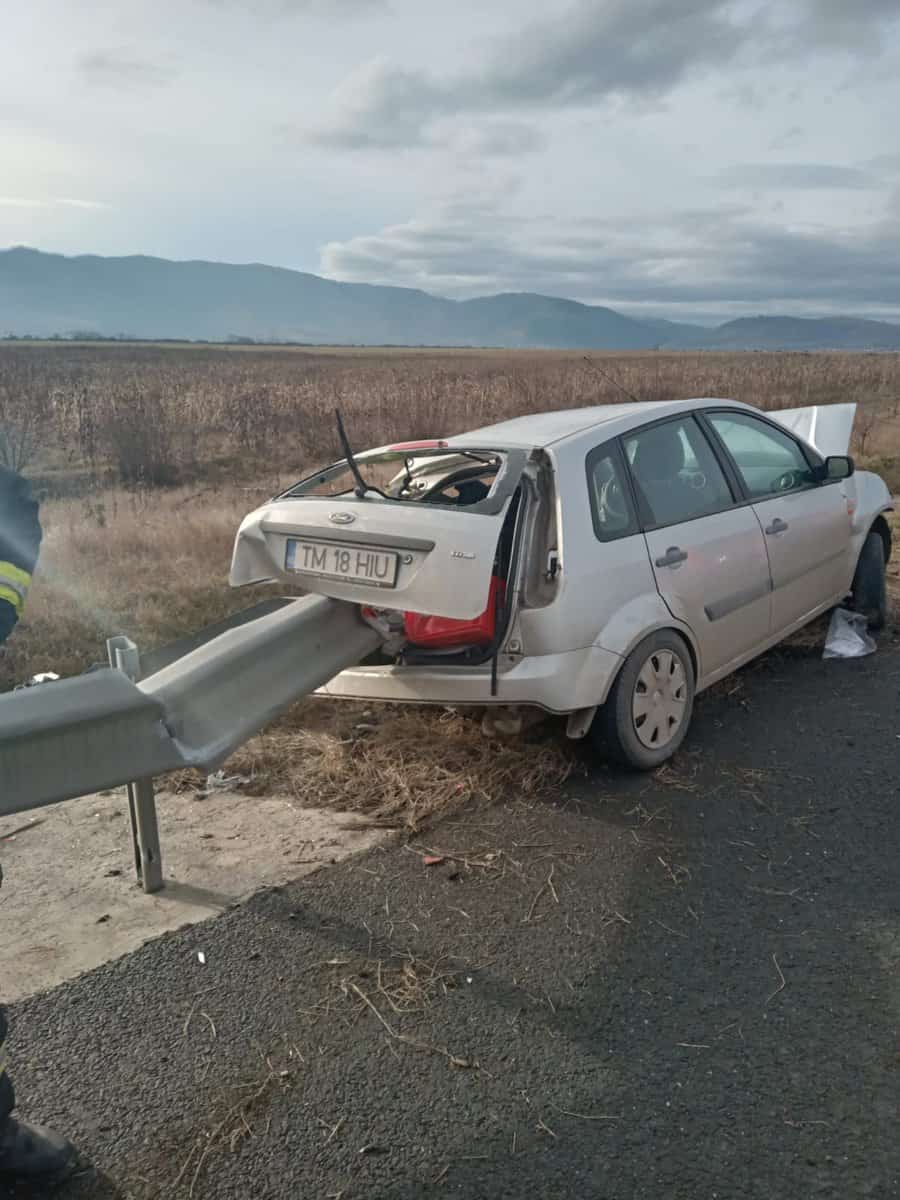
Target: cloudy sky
{"type": "Point", "coordinates": [689, 158]}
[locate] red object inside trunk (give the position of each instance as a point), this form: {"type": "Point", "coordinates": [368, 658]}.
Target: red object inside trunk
{"type": "Point", "coordinates": [443, 633]}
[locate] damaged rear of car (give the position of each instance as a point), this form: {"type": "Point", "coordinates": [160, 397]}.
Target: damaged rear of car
{"type": "Point", "coordinates": [435, 541]}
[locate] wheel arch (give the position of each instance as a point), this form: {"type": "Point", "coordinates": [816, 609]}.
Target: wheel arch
{"type": "Point", "coordinates": [883, 529]}
{"type": "Point", "coordinates": [663, 627]}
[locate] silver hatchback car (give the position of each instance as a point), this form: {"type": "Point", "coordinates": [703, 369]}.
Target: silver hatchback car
{"type": "Point", "coordinates": [605, 563]}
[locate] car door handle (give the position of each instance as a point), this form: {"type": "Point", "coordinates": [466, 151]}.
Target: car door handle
{"type": "Point", "coordinates": [673, 557]}
{"type": "Point", "coordinates": [777, 526]}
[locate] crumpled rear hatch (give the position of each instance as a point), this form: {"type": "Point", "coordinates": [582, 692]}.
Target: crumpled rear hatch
{"type": "Point", "coordinates": [423, 539]}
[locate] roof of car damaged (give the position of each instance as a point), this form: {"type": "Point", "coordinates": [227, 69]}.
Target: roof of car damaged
{"type": "Point", "coordinates": [548, 428]}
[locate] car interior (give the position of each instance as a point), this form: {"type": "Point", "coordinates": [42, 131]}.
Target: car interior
{"type": "Point", "coordinates": [676, 474]}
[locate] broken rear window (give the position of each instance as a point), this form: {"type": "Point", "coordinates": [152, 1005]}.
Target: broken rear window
{"type": "Point", "coordinates": [422, 472]}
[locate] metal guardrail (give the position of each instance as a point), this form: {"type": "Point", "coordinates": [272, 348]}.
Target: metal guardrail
{"type": "Point", "coordinates": [102, 730]}
{"type": "Point", "coordinates": [124, 657]}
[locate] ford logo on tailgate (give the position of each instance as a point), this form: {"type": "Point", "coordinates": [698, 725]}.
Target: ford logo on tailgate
{"type": "Point", "coordinates": [341, 518]}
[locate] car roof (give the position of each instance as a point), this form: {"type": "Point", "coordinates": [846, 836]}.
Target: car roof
{"type": "Point", "coordinates": [549, 428]}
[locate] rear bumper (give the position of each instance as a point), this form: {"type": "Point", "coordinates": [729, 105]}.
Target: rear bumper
{"type": "Point", "coordinates": [558, 683]}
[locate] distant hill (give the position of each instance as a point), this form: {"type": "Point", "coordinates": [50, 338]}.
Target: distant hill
{"type": "Point", "coordinates": [797, 333]}
{"type": "Point", "coordinates": [50, 294]}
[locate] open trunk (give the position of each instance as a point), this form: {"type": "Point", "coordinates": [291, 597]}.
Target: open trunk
{"type": "Point", "coordinates": [427, 532]}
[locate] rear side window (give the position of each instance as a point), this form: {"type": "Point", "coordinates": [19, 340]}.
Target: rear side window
{"type": "Point", "coordinates": [612, 509]}
{"type": "Point", "coordinates": [767, 460]}
{"type": "Point", "coordinates": [676, 475]}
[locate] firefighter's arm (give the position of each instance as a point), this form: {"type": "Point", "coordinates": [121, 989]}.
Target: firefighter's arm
{"type": "Point", "coordinates": [8, 618]}
{"type": "Point", "coordinates": [19, 547]}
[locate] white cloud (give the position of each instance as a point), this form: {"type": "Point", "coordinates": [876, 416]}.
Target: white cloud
{"type": "Point", "coordinates": [121, 67]}
{"type": "Point", "coordinates": [590, 53]}
{"type": "Point", "coordinates": [792, 175]}
{"type": "Point", "coordinates": [52, 202]}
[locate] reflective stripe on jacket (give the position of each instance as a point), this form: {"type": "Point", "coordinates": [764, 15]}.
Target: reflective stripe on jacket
{"type": "Point", "coordinates": [20, 543]}
{"type": "Point", "coordinates": [14, 584]}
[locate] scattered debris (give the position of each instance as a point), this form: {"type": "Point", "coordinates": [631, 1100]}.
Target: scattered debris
{"type": "Point", "coordinates": [201, 958]}
{"type": "Point", "coordinates": [220, 782]}
{"type": "Point", "coordinates": [781, 985]}
{"type": "Point", "coordinates": [14, 833]}
{"type": "Point", "coordinates": [102, 920]}
{"type": "Point", "coordinates": [510, 720]}
{"type": "Point", "coordinates": [454, 1060]}
{"type": "Point", "coordinates": [433, 860]}
{"type": "Point", "coordinates": [37, 680]}
{"type": "Point", "coordinates": [566, 1112]}
{"type": "Point", "coordinates": [233, 1129]}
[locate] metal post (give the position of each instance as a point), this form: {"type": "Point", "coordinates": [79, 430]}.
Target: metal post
{"type": "Point", "coordinates": [124, 657]}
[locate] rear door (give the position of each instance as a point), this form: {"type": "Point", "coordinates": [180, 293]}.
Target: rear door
{"type": "Point", "coordinates": [806, 524]}
{"type": "Point", "coordinates": [707, 550]}
{"type": "Point", "coordinates": [424, 557]}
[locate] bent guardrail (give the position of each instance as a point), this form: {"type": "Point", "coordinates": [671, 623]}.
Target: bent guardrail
{"type": "Point", "coordinates": [103, 730]}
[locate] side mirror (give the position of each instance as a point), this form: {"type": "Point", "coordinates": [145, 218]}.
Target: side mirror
{"type": "Point", "coordinates": [836, 466]}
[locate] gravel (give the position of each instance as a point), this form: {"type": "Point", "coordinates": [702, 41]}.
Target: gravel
{"type": "Point", "coordinates": [679, 986]}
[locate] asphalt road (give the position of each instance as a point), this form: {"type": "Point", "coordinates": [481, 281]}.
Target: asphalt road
{"type": "Point", "coordinates": [684, 986]}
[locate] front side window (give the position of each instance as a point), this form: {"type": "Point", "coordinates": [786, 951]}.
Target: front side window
{"type": "Point", "coordinates": [676, 474]}
{"type": "Point", "coordinates": [768, 461]}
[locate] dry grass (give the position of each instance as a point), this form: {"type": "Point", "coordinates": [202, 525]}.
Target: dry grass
{"type": "Point", "coordinates": [403, 767]}
{"type": "Point", "coordinates": [149, 414]}
{"type": "Point", "coordinates": [149, 564]}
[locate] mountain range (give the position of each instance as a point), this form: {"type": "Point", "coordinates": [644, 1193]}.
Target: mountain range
{"type": "Point", "coordinates": [45, 295]}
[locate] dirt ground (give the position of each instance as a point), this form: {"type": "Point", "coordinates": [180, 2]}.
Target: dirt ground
{"type": "Point", "coordinates": [70, 901]}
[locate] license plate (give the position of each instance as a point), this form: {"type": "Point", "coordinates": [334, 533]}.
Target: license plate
{"type": "Point", "coordinates": [356, 564]}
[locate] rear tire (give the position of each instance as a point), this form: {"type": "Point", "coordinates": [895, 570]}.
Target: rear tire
{"type": "Point", "coordinates": [870, 582]}
{"type": "Point", "coordinates": [649, 708]}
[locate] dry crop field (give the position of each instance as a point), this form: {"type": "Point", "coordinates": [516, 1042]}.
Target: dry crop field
{"type": "Point", "coordinates": [147, 456]}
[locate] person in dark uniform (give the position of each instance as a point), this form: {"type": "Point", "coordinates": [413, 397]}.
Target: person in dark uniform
{"type": "Point", "coordinates": [25, 1150]}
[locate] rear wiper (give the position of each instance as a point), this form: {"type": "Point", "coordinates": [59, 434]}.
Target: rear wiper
{"type": "Point", "coordinates": [361, 486]}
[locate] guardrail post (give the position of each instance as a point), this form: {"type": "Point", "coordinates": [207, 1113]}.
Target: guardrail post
{"type": "Point", "coordinates": [124, 657]}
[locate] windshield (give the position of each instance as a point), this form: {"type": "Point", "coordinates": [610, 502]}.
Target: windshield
{"type": "Point", "coordinates": [457, 477]}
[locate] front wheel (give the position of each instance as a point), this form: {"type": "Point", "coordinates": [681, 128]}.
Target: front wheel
{"type": "Point", "coordinates": [648, 711]}
{"type": "Point", "coordinates": [870, 582]}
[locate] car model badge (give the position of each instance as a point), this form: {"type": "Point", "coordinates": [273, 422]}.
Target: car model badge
{"type": "Point", "coordinates": [341, 518]}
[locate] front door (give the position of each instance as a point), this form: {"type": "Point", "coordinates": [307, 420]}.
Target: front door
{"type": "Point", "coordinates": [707, 551]}
{"type": "Point", "coordinates": [806, 524]}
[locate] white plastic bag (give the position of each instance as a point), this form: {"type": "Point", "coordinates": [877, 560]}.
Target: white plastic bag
{"type": "Point", "coordinates": [847, 636]}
